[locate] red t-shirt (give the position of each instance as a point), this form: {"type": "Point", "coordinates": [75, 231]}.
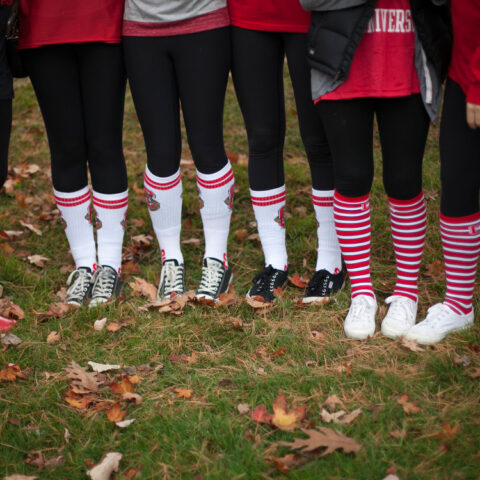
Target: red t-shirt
{"type": "Point", "coordinates": [465, 66]}
{"type": "Point", "coordinates": [47, 22]}
{"type": "Point", "coordinates": [383, 65]}
{"type": "Point", "coordinates": [269, 15]}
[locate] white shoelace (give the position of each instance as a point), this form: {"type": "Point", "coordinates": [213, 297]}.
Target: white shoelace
{"type": "Point", "coordinates": [358, 308]}
{"type": "Point", "coordinates": [399, 306]}
{"type": "Point", "coordinates": [436, 314]}
{"type": "Point", "coordinates": [104, 283]}
{"type": "Point", "coordinates": [211, 278]}
{"type": "Point", "coordinates": [173, 278]}
{"type": "Point", "coordinates": [80, 280]}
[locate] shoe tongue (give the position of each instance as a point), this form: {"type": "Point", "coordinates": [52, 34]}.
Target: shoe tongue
{"type": "Point", "coordinates": [109, 268]}
{"type": "Point", "coordinates": [86, 269]}
{"type": "Point", "coordinates": [171, 261]}
{"type": "Point", "coordinates": [212, 262]}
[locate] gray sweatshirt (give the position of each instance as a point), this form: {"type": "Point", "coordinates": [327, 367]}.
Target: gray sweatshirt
{"type": "Point", "coordinates": [161, 11]}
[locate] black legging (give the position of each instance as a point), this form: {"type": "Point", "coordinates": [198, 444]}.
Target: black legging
{"type": "Point", "coordinates": [5, 128]}
{"type": "Point", "coordinates": [460, 156]}
{"type": "Point", "coordinates": [403, 126]}
{"type": "Point", "coordinates": [257, 67]}
{"type": "Point", "coordinates": [81, 90]}
{"type": "Point", "coordinates": [192, 68]}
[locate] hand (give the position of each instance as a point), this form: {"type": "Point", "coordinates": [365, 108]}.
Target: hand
{"type": "Point", "coordinates": [473, 115]}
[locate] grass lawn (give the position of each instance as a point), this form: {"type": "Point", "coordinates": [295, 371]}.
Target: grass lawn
{"type": "Point", "coordinates": [231, 355]}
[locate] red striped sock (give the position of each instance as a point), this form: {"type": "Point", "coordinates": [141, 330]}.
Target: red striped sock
{"type": "Point", "coordinates": [269, 207]}
{"type": "Point", "coordinates": [352, 222]}
{"type": "Point", "coordinates": [408, 219]}
{"type": "Point", "coordinates": [110, 213]}
{"type": "Point", "coordinates": [461, 248]}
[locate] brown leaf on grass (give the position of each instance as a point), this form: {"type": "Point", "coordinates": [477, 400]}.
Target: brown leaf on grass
{"type": "Point", "coordinates": [408, 407]}
{"type": "Point", "coordinates": [332, 401]}
{"type": "Point", "coordinates": [258, 302]}
{"type": "Point", "coordinates": [183, 393]}
{"type": "Point", "coordinates": [32, 228]}
{"type": "Point", "coordinates": [317, 336]}
{"type": "Point", "coordinates": [7, 249]}
{"type": "Point", "coordinates": [115, 414]}
{"type": "Point", "coordinates": [100, 324]}
{"type": "Point", "coordinates": [326, 438]}
{"type": "Point", "coordinates": [143, 288]}
{"type": "Point", "coordinates": [124, 386]}
{"type": "Point", "coordinates": [18, 476]}
{"type": "Point", "coordinates": [297, 281]}
{"type": "Point", "coordinates": [83, 381]}
{"type": "Point", "coordinates": [183, 358]}
{"type": "Point", "coordinates": [226, 299]}
{"type": "Point", "coordinates": [435, 269]}
{"type": "Point", "coordinates": [254, 236]}
{"type": "Point", "coordinates": [463, 360]}
{"type": "Point", "coordinates": [53, 337]}
{"type": "Point", "coordinates": [104, 469]}
{"type": "Point", "coordinates": [10, 309]}
{"type": "Point", "coordinates": [132, 397]}
{"type": "Point", "coordinates": [447, 432]}
{"type": "Point", "coordinates": [241, 234]}
{"type": "Point", "coordinates": [237, 323]}
{"type": "Point", "coordinates": [143, 240]}
{"type": "Point", "coordinates": [192, 241]}
{"type": "Point", "coordinates": [285, 463]}
{"type": "Point", "coordinates": [340, 417]}
{"type": "Point", "coordinates": [261, 415]}
{"type": "Point", "coordinates": [130, 268]}
{"type": "Point", "coordinates": [475, 373]}
{"type": "Point", "coordinates": [131, 473]}
{"type": "Point", "coordinates": [412, 345]}
{"type": "Point", "coordinates": [243, 408]}
{"type": "Point", "coordinates": [280, 352]}
{"type": "Point", "coordinates": [80, 402]}
{"type": "Point", "coordinates": [135, 379]}
{"type": "Point", "coordinates": [36, 459]}
{"type": "Point", "coordinates": [173, 304]}
{"type": "Point", "coordinates": [9, 338]}
{"type": "Point", "coordinates": [11, 373]}
{"type": "Point", "coordinates": [398, 434]}
{"type": "Point", "coordinates": [232, 156]}
{"type": "Point", "coordinates": [57, 310]}
{"type": "Point", "coordinates": [115, 326]}
{"type": "Point", "coordinates": [282, 418]}
{"type": "Point", "coordinates": [38, 260]}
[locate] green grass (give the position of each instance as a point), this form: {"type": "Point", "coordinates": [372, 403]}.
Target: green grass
{"type": "Point", "coordinates": [205, 437]}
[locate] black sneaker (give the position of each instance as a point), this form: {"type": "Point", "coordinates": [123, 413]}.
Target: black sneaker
{"type": "Point", "coordinates": [215, 280]}
{"type": "Point", "coordinates": [322, 286]}
{"type": "Point", "coordinates": [266, 282]}
{"type": "Point", "coordinates": [172, 279]}
{"type": "Point", "coordinates": [80, 283]}
{"type": "Point", "coordinates": [107, 284]}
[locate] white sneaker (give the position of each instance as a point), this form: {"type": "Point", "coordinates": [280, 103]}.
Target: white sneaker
{"type": "Point", "coordinates": [440, 321]}
{"type": "Point", "coordinates": [360, 321]}
{"type": "Point", "coordinates": [401, 316]}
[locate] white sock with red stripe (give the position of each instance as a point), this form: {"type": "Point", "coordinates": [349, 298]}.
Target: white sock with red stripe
{"type": "Point", "coordinates": [461, 248]}
{"type": "Point", "coordinates": [110, 213]}
{"type": "Point", "coordinates": [408, 219]}
{"type": "Point", "coordinates": [352, 222]}
{"type": "Point", "coordinates": [329, 256]}
{"type": "Point", "coordinates": [216, 197]}
{"type": "Point", "coordinates": [164, 200]}
{"type": "Point", "coordinates": [269, 206]}
{"type": "Point", "coordinates": [74, 208]}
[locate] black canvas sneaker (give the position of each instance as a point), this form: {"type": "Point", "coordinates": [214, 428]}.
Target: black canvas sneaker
{"type": "Point", "coordinates": [266, 282]}
{"type": "Point", "coordinates": [215, 279]}
{"type": "Point", "coordinates": [322, 286]}
{"type": "Point", "coordinates": [80, 286]}
{"type": "Point", "coordinates": [172, 279]}
{"type": "Point", "coordinates": [107, 284]}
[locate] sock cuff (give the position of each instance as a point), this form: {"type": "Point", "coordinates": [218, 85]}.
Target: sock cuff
{"type": "Point", "coordinates": [264, 198]}
{"type": "Point", "coordinates": [216, 180]}
{"type": "Point", "coordinates": [322, 198]}
{"type": "Point", "coordinates": [110, 201]}
{"type": "Point", "coordinates": [460, 221]}
{"type": "Point", "coordinates": [351, 200]}
{"type": "Point", "coordinates": [161, 183]}
{"type": "Point", "coordinates": [72, 199]}
{"type": "Point", "coordinates": [418, 199]}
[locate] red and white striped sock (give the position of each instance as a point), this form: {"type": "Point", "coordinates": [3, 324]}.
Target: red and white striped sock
{"type": "Point", "coordinates": [269, 207]}
{"type": "Point", "coordinates": [329, 256]}
{"type": "Point", "coordinates": [110, 213]}
{"type": "Point", "coordinates": [75, 210]}
{"type": "Point", "coordinates": [216, 199]}
{"type": "Point", "coordinates": [352, 222]}
{"type": "Point", "coordinates": [461, 248]}
{"type": "Point", "coordinates": [408, 220]}
{"type": "Point", "coordinates": [164, 201]}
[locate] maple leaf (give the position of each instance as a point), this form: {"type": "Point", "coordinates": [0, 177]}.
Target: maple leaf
{"type": "Point", "coordinates": [53, 337]}
{"type": "Point", "coordinates": [11, 373]}
{"type": "Point", "coordinates": [183, 393]}
{"type": "Point", "coordinates": [143, 288]}
{"type": "Point", "coordinates": [412, 345]}
{"type": "Point", "coordinates": [297, 281]}
{"type": "Point", "coordinates": [287, 419]}
{"type": "Point", "coordinates": [261, 415]}
{"type": "Point", "coordinates": [408, 407]}
{"type": "Point", "coordinates": [284, 464]}
{"type": "Point", "coordinates": [10, 309]}
{"type": "Point", "coordinates": [80, 402]}
{"type": "Point", "coordinates": [226, 299]}
{"type": "Point", "coordinates": [57, 310]}
{"type": "Point", "coordinates": [124, 386]}
{"type": "Point", "coordinates": [447, 432]}
{"type": "Point", "coordinates": [104, 469]}
{"type": "Point", "coordinates": [134, 379]}
{"type": "Point", "coordinates": [115, 414]}
{"type": "Point", "coordinates": [326, 438]}
{"type": "Point", "coordinates": [81, 380]}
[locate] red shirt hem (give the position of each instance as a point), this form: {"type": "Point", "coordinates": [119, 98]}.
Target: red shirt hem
{"type": "Point", "coordinates": [269, 27]}
{"type": "Point", "coordinates": [24, 46]}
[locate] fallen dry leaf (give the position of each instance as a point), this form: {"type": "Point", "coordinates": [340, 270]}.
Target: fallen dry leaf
{"type": "Point", "coordinates": [124, 386]}
{"type": "Point", "coordinates": [282, 418]}
{"type": "Point", "coordinates": [284, 464]}
{"type": "Point", "coordinates": [143, 240]}
{"type": "Point", "coordinates": [260, 414]}
{"type": "Point", "coordinates": [258, 302]}
{"type": "Point", "coordinates": [143, 288]}
{"type": "Point", "coordinates": [103, 367]}
{"type": "Point", "coordinates": [412, 345]}
{"type": "Point", "coordinates": [132, 397]}
{"type": "Point", "coordinates": [243, 408]}
{"type": "Point", "coordinates": [435, 269]}
{"type": "Point", "coordinates": [183, 393]}
{"type": "Point", "coordinates": [53, 337]}
{"type": "Point", "coordinates": [241, 234]}
{"type": "Point", "coordinates": [447, 432]}
{"type": "Point", "coordinates": [193, 358]}
{"type": "Point", "coordinates": [11, 373]}
{"type": "Point", "coordinates": [104, 469]}
{"type": "Point", "coordinates": [10, 339]}
{"type": "Point", "coordinates": [115, 414]}
{"type": "Point", "coordinates": [80, 402]}
{"type": "Point", "coordinates": [115, 326]}
{"type": "Point", "coordinates": [475, 373]}
{"type": "Point", "coordinates": [100, 324]}
{"type": "Point", "coordinates": [81, 380]}
{"type": "Point", "coordinates": [332, 401]}
{"type": "Point", "coordinates": [297, 281]}
{"type": "Point", "coordinates": [408, 407]}
{"type": "Point", "coordinates": [125, 423]}
{"type": "Point", "coordinates": [326, 438]}
{"type": "Point", "coordinates": [279, 353]}
{"type": "Point", "coordinates": [192, 241]}
{"type": "Point", "coordinates": [57, 310]}
{"type": "Point", "coordinates": [38, 260]}
{"type": "Point", "coordinates": [18, 476]}
{"type": "Point", "coordinates": [464, 360]}
{"type": "Point", "coordinates": [31, 227]}
{"type": "Point", "coordinates": [340, 417]}
{"type": "Point", "coordinates": [10, 309]}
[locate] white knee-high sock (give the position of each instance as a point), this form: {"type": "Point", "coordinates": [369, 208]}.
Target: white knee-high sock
{"type": "Point", "coordinates": [74, 208]}
{"type": "Point", "coordinates": [110, 213]}
{"type": "Point", "coordinates": [329, 256]}
{"type": "Point", "coordinates": [268, 206]}
{"type": "Point", "coordinates": [164, 200]}
{"type": "Point", "coordinates": [216, 198]}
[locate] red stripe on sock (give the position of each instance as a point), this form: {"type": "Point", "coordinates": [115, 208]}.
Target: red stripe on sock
{"type": "Point", "coordinates": [162, 186]}
{"type": "Point", "coordinates": [227, 178]}
{"type": "Point", "coordinates": [74, 201]}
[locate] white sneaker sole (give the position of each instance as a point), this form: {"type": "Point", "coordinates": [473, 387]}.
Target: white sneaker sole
{"type": "Point", "coordinates": [432, 339]}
